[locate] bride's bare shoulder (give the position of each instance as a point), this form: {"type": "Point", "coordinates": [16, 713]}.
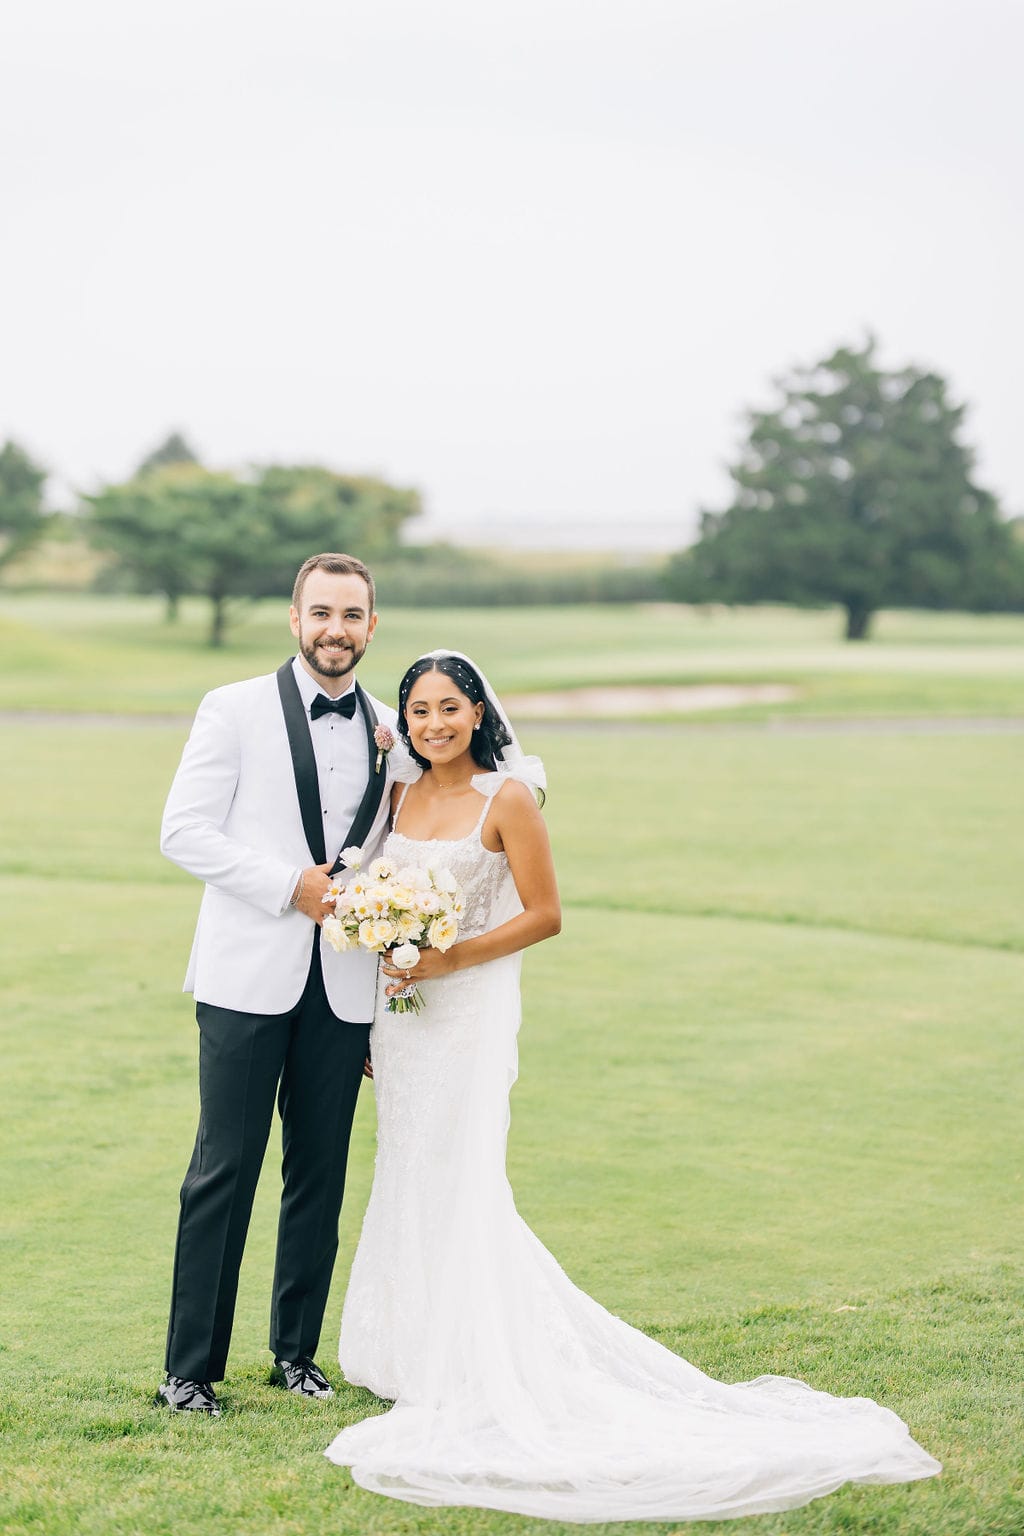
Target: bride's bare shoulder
{"type": "Point", "coordinates": [515, 802]}
{"type": "Point", "coordinates": [514, 790]}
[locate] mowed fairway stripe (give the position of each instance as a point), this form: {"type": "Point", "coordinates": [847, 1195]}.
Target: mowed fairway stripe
{"type": "Point", "coordinates": [784, 919]}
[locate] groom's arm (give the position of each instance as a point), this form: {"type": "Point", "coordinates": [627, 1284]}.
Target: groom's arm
{"type": "Point", "coordinates": [197, 807]}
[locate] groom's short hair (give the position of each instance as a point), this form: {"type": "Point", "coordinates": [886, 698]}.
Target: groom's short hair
{"type": "Point", "coordinates": [337, 565]}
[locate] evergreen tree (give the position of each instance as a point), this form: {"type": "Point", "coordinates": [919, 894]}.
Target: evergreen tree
{"type": "Point", "coordinates": [856, 489]}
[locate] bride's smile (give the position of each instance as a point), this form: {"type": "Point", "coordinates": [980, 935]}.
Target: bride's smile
{"type": "Point", "coordinates": [441, 720]}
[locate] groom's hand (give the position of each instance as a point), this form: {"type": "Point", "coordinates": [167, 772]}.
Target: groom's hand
{"type": "Point", "coordinates": [312, 888]}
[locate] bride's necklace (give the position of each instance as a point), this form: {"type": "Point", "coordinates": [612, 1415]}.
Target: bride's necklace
{"type": "Point", "coordinates": [455, 783]}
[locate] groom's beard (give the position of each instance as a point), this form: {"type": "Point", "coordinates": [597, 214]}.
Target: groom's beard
{"type": "Point", "coordinates": [331, 664]}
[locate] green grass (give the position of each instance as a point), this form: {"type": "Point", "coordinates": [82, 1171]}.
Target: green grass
{"type": "Point", "coordinates": [768, 1106]}
{"type": "Point", "coordinates": [106, 654]}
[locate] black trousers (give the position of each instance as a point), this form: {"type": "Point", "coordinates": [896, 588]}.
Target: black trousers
{"type": "Point", "coordinates": [312, 1062]}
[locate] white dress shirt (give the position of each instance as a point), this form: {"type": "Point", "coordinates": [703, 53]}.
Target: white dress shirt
{"type": "Point", "coordinates": [342, 763]}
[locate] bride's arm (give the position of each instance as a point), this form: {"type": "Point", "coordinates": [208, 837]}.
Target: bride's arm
{"type": "Point", "coordinates": [518, 826]}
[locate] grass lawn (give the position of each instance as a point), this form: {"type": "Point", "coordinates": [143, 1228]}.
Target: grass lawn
{"type": "Point", "coordinates": [768, 1107]}
{"type": "Point", "coordinates": [117, 654]}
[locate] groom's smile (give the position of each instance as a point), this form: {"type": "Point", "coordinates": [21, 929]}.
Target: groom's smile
{"type": "Point", "coordinates": [331, 650]}
{"type": "Point", "coordinates": [329, 658]}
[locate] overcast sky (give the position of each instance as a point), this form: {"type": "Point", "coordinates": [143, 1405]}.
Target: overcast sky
{"type": "Point", "coordinates": [531, 256]}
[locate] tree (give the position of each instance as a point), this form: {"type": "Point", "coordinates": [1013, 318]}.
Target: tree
{"type": "Point", "coordinates": [310, 508]}
{"type": "Point", "coordinates": [855, 489]}
{"type": "Point", "coordinates": [181, 528]}
{"type": "Point", "coordinates": [173, 450]}
{"type": "Point", "coordinates": [21, 501]}
{"type": "Point", "coordinates": [139, 523]}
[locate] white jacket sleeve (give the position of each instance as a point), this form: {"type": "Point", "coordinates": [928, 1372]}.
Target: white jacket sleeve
{"type": "Point", "coordinates": [198, 804]}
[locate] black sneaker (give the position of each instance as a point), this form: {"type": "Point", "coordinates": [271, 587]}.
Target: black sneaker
{"type": "Point", "coordinates": [186, 1396]}
{"type": "Point", "coordinates": [302, 1376]}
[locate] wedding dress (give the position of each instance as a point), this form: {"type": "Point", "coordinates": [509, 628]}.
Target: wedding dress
{"type": "Point", "coordinates": [513, 1390]}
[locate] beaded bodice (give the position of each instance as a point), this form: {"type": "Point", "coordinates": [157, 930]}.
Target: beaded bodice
{"type": "Point", "coordinates": [484, 878]}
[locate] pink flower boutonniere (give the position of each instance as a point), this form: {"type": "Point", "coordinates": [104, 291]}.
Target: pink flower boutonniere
{"type": "Point", "coordinates": [385, 739]}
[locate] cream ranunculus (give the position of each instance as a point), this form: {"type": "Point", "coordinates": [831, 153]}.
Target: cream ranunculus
{"type": "Point", "coordinates": [377, 934]}
{"type": "Point", "coordinates": [413, 877]}
{"type": "Point", "coordinates": [405, 956]}
{"type": "Point", "coordinates": [443, 932]}
{"type": "Point", "coordinates": [410, 925]}
{"type": "Point", "coordinates": [335, 934]}
{"type": "Point", "coordinates": [427, 902]}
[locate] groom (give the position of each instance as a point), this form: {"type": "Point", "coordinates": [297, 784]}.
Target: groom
{"type": "Point", "coordinates": [278, 774]}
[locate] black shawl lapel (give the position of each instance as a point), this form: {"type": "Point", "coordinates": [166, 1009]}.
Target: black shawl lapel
{"type": "Point", "coordinates": [307, 785]}
{"type": "Point", "coordinates": [370, 802]}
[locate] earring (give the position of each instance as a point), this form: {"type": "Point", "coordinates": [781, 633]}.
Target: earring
{"type": "Point", "coordinates": [477, 726]}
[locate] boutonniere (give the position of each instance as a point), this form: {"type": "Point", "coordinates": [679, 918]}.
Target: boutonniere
{"type": "Point", "coordinates": [385, 740]}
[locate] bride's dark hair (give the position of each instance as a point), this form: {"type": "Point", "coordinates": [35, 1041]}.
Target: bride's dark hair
{"type": "Point", "coordinates": [486, 744]}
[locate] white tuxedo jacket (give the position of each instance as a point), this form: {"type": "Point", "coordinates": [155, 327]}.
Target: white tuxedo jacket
{"type": "Point", "coordinates": [233, 820]}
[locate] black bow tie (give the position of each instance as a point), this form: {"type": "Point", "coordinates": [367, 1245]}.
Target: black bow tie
{"type": "Point", "coordinates": [322, 705]}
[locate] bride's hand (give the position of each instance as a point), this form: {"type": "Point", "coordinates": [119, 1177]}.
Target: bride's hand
{"type": "Point", "coordinates": [431, 964]}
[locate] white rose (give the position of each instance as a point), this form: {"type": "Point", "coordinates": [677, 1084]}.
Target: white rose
{"type": "Point", "coordinates": [405, 956]}
{"type": "Point", "coordinates": [427, 902]}
{"type": "Point", "coordinates": [336, 935]}
{"type": "Point", "coordinates": [352, 856]}
{"type": "Point", "coordinates": [443, 932]}
{"type": "Point", "coordinates": [382, 869]}
{"type": "Point", "coordinates": [445, 881]}
{"type": "Point", "coordinates": [413, 877]}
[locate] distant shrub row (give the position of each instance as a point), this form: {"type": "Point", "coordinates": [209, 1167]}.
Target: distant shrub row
{"type": "Point", "coordinates": [438, 576]}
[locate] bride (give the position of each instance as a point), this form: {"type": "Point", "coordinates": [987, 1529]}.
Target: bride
{"type": "Point", "coordinates": [512, 1389]}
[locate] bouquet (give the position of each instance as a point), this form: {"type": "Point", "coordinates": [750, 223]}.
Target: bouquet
{"type": "Point", "coordinates": [405, 908]}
